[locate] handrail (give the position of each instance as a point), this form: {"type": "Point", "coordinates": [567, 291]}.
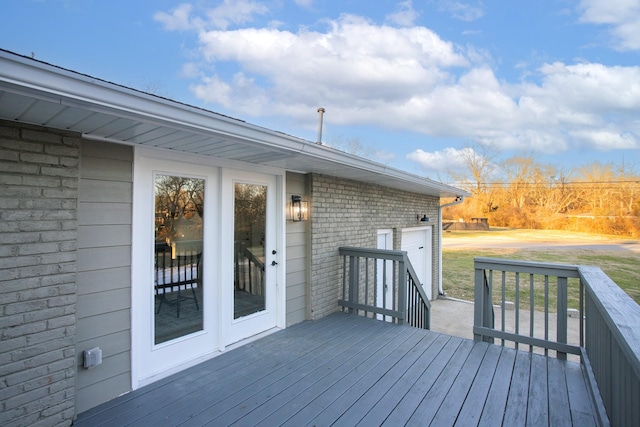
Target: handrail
{"type": "Point", "coordinates": [249, 279]}
{"type": "Point", "coordinates": [609, 335]}
{"type": "Point", "coordinates": [419, 306]}
{"type": "Point", "coordinates": [613, 344]}
{"type": "Point", "coordinates": [371, 286]}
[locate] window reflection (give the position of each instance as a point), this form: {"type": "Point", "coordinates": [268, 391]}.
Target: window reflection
{"type": "Point", "coordinates": [179, 209]}
{"type": "Point", "coordinates": [250, 216]}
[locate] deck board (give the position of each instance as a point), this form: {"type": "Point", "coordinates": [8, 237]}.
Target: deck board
{"type": "Point", "coordinates": [201, 382]}
{"type": "Point", "coordinates": [516, 409]}
{"type": "Point", "coordinates": [559, 413]}
{"type": "Point", "coordinates": [396, 393]}
{"type": "Point", "coordinates": [314, 398]}
{"type": "Point", "coordinates": [144, 401]}
{"type": "Point", "coordinates": [206, 401]}
{"type": "Point", "coordinates": [433, 399]}
{"type": "Point", "coordinates": [538, 399]}
{"type": "Point", "coordinates": [494, 406]}
{"type": "Point", "coordinates": [349, 370]}
{"type": "Point", "coordinates": [471, 410]}
{"type": "Point", "coordinates": [420, 388]}
{"type": "Point", "coordinates": [364, 377]}
{"type": "Point", "coordinates": [263, 404]}
{"type": "Point", "coordinates": [452, 404]}
{"type": "Point", "coordinates": [317, 399]}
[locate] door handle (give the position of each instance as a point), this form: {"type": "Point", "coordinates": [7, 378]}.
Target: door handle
{"type": "Point", "coordinates": [421, 247]}
{"type": "Point", "coordinates": [274, 263]}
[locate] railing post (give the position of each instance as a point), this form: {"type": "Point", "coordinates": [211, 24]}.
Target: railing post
{"type": "Point", "coordinates": [402, 291]}
{"type": "Point", "coordinates": [478, 305]}
{"type": "Point", "coordinates": [483, 305]}
{"type": "Point", "coordinates": [354, 280]}
{"type": "Point", "coordinates": [488, 305]}
{"type": "Point", "coordinates": [562, 315]}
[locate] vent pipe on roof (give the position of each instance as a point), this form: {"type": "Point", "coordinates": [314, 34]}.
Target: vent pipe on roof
{"type": "Point", "coordinates": [320, 113]}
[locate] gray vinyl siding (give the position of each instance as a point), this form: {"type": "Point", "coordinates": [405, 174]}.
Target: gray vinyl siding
{"type": "Point", "coordinates": [297, 254]}
{"type": "Point", "coordinates": [104, 271]}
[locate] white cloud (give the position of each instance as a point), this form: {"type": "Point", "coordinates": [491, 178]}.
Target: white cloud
{"type": "Point", "coordinates": [593, 87]}
{"type": "Point", "coordinates": [569, 108]}
{"type": "Point", "coordinates": [438, 161]}
{"type": "Point", "coordinates": [179, 19]}
{"type": "Point", "coordinates": [606, 140]}
{"type": "Point", "coordinates": [235, 12]}
{"type": "Point", "coordinates": [304, 3]}
{"type": "Point", "coordinates": [227, 13]}
{"type": "Point", "coordinates": [447, 162]}
{"type": "Point", "coordinates": [463, 11]}
{"type": "Point", "coordinates": [355, 67]}
{"type": "Point", "coordinates": [409, 79]}
{"type": "Point", "coordinates": [405, 16]}
{"type": "Point", "coordinates": [621, 16]}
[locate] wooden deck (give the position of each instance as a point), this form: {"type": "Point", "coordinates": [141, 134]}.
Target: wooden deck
{"type": "Point", "coordinates": [348, 370]}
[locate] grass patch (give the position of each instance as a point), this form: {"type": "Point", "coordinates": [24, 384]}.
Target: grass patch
{"type": "Point", "coordinates": [620, 266]}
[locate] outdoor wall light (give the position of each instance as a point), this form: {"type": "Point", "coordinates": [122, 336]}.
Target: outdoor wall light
{"type": "Point", "coordinates": [424, 218]}
{"type": "Point", "coordinates": [299, 209]}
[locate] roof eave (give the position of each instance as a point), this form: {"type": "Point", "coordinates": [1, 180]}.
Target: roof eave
{"type": "Point", "coordinates": [27, 77]}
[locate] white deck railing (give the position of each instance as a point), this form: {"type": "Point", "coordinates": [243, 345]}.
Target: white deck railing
{"type": "Point", "coordinates": [609, 324]}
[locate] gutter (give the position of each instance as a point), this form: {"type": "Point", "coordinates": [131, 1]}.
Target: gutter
{"type": "Point", "coordinates": [459, 199]}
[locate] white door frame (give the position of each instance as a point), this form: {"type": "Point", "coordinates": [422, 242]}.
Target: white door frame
{"type": "Point", "coordinates": [212, 340]}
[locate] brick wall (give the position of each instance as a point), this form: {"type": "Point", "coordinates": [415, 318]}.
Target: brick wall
{"type": "Point", "coordinates": [349, 213]}
{"type": "Point", "coordinates": [38, 198]}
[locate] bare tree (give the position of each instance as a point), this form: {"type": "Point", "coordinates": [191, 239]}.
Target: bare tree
{"type": "Point", "coordinates": [353, 146]}
{"type": "Point", "coordinates": [479, 168]}
{"type": "Point", "coordinates": [519, 172]}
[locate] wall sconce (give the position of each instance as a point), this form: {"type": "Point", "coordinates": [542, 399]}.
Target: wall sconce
{"type": "Point", "coordinates": [299, 209]}
{"type": "Point", "coordinates": [424, 218]}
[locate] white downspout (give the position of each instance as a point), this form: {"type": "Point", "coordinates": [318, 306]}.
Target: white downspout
{"type": "Point", "coordinates": [459, 199]}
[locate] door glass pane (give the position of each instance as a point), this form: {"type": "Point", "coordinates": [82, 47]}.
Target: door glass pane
{"type": "Point", "coordinates": [250, 214]}
{"type": "Point", "coordinates": [179, 205]}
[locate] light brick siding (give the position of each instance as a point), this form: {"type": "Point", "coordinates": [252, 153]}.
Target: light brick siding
{"type": "Point", "coordinates": [38, 228]}
{"type": "Point", "coordinates": [349, 213]}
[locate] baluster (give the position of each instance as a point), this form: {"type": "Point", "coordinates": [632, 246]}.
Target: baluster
{"type": "Point", "coordinates": [562, 315]}
{"type": "Point", "coordinates": [546, 311]}
{"type": "Point", "coordinates": [517, 305]}
{"type": "Point", "coordinates": [504, 297]}
{"type": "Point", "coordinates": [531, 308]}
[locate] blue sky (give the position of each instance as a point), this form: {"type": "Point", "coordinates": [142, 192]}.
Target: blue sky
{"type": "Point", "coordinates": [411, 83]}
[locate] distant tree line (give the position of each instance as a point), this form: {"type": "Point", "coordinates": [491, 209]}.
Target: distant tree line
{"type": "Point", "coordinates": [520, 192]}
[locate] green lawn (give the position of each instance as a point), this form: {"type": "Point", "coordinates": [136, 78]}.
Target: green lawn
{"type": "Point", "coordinates": [623, 267]}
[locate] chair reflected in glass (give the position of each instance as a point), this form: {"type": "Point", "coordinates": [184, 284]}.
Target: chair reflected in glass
{"type": "Point", "coordinates": [178, 280]}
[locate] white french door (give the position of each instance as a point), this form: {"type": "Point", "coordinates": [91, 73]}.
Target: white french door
{"type": "Point", "coordinates": [175, 260]}
{"type": "Point", "coordinates": [251, 246]}
{"type": "Point", "coordinates": [206, 259]}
